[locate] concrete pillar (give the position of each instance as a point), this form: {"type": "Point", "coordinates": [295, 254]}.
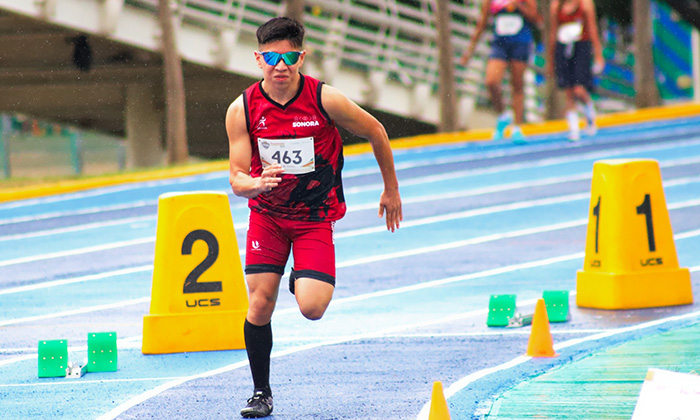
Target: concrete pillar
{"type": "Point", "coordinates": [466, 106]}
{"type": "Point", "coordinates": [446, 56]}
{"type": "Point", "coordinates": [647, 93]}
{"type": "Point", "coordinates": [144, 127]}
{"type": "Point", "coordinates": [376, 80]}
{"type": "Point", "coordinates": [420, 97]}
{"type": "Point", "coordinates": [110, 11]}
{"type": "Point", "coordinates": [47, 8]}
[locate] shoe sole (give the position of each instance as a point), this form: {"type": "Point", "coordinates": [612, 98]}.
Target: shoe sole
{"type": "Point", "coordinates": [254, 415]}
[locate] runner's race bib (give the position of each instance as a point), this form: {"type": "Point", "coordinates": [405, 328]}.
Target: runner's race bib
{"type": "Point", "coordinates": [570, 32]}
{"type": "Point", "coordinates": [296, 156]}
{"type": "Point", "coordinates": [508, 24]}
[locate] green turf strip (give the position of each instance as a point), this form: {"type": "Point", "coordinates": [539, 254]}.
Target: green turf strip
{"type": "Point", "coordinates": [604, 385]}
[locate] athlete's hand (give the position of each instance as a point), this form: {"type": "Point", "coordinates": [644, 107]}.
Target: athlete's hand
{"type": "Point", "coordinates": [598, 65]}
{"type": "Point", "coordinates": [269, 179]}
{"type": "Point", "coordinates": [390, 201]}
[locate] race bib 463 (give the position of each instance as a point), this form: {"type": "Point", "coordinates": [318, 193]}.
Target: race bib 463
{"type": "Point", "coordinates": [296, 156]}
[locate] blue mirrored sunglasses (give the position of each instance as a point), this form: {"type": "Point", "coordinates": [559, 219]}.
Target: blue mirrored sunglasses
{"type": "Point", "coordinates": [273, 58]}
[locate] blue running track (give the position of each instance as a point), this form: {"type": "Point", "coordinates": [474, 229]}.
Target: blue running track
{"type": "Point", "coordinates": [480, 218]}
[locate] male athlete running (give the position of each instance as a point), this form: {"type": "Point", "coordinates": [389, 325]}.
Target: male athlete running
{"type": "Point", "coordinates": [286, 157]}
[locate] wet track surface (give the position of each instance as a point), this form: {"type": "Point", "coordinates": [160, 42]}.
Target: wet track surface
{"type": "Point", "coordinates": [409, 307]}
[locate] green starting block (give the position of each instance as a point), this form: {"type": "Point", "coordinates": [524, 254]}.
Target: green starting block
{"type": "Point", "coordinates": [501, 309]}
{"type": "Point", "coordinates": [53, 358]}
{"type": "Point", "coordinates": [557, 303]}
{"type": "Point", "coordinates": [102, 352]}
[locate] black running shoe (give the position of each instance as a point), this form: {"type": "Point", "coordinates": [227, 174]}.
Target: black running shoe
{"type": "Point", "coordinates": [259, 405]}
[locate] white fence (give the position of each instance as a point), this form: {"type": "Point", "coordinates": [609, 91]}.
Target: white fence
{"type": "Point", "coordinates": [386, 39]}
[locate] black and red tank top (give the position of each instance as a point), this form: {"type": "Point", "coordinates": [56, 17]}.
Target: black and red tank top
{"type": "Point", "coordinates": [578, 17]}
{"type": "Point", "coordinates": [313, 196]}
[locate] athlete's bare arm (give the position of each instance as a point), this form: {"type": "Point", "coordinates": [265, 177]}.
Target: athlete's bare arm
{"type": "Point", "coordinates": [350, 116]}
{"type": "Point", "coordinates": [529, 9]}
{"type": "Point", "coordinates": [554, 8]}
{"type": "Point", "coordinates": [480, 27]}
{"type": "Point", "coordinates": [240, 153]}
{"type": "Point", "coordinates": [590, 16]}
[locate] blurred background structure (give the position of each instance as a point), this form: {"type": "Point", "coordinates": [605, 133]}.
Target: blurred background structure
{"type": "Point", "coordinates": [87, 81]}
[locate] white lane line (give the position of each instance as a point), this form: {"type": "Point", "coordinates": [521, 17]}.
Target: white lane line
{"type": "Point", "coordinates": [452, 318]}
{"type": "Point", "coordinates": [132, 402]}
{"type": "Point", "coordinates": [376, 258]}
{"type": "Point", "coordinates": [471, 192]}
{"type": "Point", "coordinates": [79, 228]}
{"type": "Point", "coordinates": [464, 277]}
{"type": "Point", "coordinates": [492, 272]}
{"type": "Point", "coordinates": [96, 192]}
{"type": "Point", "coordinates": [17, 360]}
{"type": "Point", "coordinates": [132, 343]}
{"type": "Point", "coordinates": [360, 207]}
{"type": "Point", "coordinates": [347, 234]}
{"type": "Point", "coordinates": [351, 208]}
{"type": "Point", "coordinates": [469, 157]}
{"type": "Point", "coordinates": [521, 331]}
{"type": "Point", "coordinates": [275, 354]}
{"type": "Point", "coordinates": [348, 173]}
{"type": "Point", "coordinates": [79, 311]}
{"type": "Point", "coordinates": [71, 382]}
{"type": "Point", "coordinates": [687, 234]}
{"type": "Point", "coordinates": [418, 180]}
{"type": "Point", "coordinates": [439, 177]}
{"type": "Point", "coordinates": [469, 379]}
{"type": "Point", "coordinates": [90, 277]}
{"type": "Point", "coordinates": [501, 333]}
{"type": "Point", "coordinates": [342, 264]}
{"type": "Point", "coordinates": [78, 251]}
{"type": "Point", "coordinates": [80, 212]}
{"type": "Point", "coordinates": [122, 344]}
{"type": "Point", "coordinates": [374, 229]}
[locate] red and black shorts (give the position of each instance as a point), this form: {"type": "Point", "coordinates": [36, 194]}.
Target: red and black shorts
{"type": "Point", "coordinates": [270, 239]}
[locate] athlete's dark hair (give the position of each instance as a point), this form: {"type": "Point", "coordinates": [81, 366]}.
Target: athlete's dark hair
{"type": "Point", "coordinates": [280, 29]}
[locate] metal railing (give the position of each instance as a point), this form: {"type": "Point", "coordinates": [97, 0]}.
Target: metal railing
{"type": "Point", "coordinates": [395, 38]}
{"type": "Point", "coordinates": [30, 148]}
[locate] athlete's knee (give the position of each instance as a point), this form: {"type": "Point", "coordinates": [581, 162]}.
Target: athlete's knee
{"type": "Point", "coordinates": [313, 310]}
{"type": "Point", "coordinates": [313, 296]}
{"type": "Point", "coordinates": [261, 306]}
{"type": "Point", "coordinates": [581, 93]}
{"type": "Point", "coordinates": [493, 84]}
{"type": "Point", "coordinates": [518, 86]}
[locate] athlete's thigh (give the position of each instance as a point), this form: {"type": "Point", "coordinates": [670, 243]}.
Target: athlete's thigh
{"type": "Point", "coordinates": [314, 251]}
{"type": "Point", "coordinates": [517, 74]}
{"type": "Point", "coordinates": [495, 69]}
{"type": "Point", "coordinates": [267, 245]}
{"type": "Point", "coordinates": [313, 276]}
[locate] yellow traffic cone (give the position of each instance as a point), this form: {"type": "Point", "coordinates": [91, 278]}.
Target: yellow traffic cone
{"type": "Point", "coordinates": [540, 343]}
{"type": "Point", "coordinates": [198, 294]}
{"type": "Point", "coordinates": [631, 259]}
{"type": "Point", "coordinates": [438, 404]}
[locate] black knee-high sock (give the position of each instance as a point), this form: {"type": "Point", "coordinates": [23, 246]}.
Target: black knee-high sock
{"type": "Point", "coordinates": [258, 344]}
